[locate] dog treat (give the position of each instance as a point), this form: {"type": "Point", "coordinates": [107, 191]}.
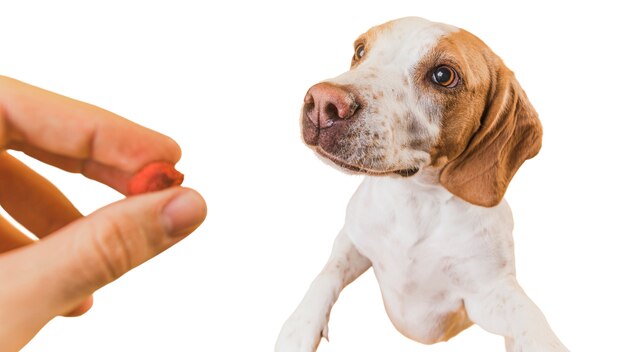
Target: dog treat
{"type": "Point", "coordinates": [154, 177]}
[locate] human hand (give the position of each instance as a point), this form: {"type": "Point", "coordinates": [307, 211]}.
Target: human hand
{"type": "Point", "coordinates": [76, 255]}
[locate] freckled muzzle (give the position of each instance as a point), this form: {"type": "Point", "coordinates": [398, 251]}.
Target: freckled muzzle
{"type": "Point", "coordinates": [328, 113]}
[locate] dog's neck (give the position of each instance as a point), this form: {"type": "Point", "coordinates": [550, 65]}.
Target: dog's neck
{"type": "Point", "coordinates": [425, 183]}
{"type": "Point", "coordinates": [427, 177]}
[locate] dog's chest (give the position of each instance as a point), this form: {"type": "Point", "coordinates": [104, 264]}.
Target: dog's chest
{"type": "Point", "coordinates": [416, 229]}
{"type": "Point", "coordinates": [426, 247]}
{"type": "Point", "coordinates": [406, 228]}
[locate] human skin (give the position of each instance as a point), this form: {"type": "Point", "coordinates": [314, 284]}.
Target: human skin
{"type": "Point", "coordinates": [75, 254]}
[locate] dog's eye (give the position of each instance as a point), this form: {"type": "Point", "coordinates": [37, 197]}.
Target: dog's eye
{"type": "Point", "coordinates": [445, 76]}
{"type": "Point", "coordinates": [359, 51]}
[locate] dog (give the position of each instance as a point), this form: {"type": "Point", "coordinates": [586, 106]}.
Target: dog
{"type": "Point", "coordinates": [438, 125]}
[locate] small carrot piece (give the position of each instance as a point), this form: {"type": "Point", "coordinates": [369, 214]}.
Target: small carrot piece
{"type": "Point", "coordinates": [154, 177]}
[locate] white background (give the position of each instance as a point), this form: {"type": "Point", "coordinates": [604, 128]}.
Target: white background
{"type": "Point", "coordinates": [226, 80]}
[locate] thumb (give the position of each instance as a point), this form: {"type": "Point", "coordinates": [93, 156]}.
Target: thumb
{"type": "Point", "coordinates": [105, 245]}
{"type": "Point", "coordinates": [54, 275]}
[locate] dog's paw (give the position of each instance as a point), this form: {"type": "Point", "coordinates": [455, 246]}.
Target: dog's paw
{"type": "Point", "coordinates": [300, 334]}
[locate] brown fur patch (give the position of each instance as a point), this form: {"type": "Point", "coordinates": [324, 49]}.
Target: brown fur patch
{"type": "Point", "coordinates": [488, 127]}
{"type": "Point", "coordinates": [461, 106]}
{"type": "Point", "coordinates": [453, 323]}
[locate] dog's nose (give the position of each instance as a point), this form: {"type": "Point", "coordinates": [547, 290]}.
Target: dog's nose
{"type": "Point", "coordinates": [326, 103]}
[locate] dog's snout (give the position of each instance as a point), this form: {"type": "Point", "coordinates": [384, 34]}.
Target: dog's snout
{"type": "Point", "coordinates": [325, 103]}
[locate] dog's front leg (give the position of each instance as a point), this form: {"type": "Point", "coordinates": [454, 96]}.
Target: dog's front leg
{"type": "Point", "coordinates": [506, 310]}
{"type": "Point", "coordinates": [309, 323]}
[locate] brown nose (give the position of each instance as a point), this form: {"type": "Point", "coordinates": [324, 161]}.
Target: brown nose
{"type": "Point", "coordinates": [325, 103]}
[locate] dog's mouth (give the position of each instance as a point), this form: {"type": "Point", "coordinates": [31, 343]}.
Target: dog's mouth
{"type": "Point", "coordinates": [364, 170]}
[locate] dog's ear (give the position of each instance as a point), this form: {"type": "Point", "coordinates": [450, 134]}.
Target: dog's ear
{"type": "Point", "coordinates": [509, 134]}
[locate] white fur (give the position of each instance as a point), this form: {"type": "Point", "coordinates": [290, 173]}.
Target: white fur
{"type": "Point", "coordinates": [431, 251]}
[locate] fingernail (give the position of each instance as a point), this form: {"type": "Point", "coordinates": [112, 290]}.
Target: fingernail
{"type": "Point", "coordinates": [184, 213]}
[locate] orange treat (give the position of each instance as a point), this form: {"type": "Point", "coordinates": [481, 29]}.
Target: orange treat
{"type": "Point", "coordinates": [154, 177]}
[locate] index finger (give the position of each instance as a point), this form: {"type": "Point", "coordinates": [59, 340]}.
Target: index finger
{"type": "Point", "coordinates": [77, 136]}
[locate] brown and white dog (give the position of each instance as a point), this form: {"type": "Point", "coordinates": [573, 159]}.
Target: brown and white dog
{"type": "Point", "coordinates": [439, 126]}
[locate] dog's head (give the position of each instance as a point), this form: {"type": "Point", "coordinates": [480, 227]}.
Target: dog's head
{"type": "Point", "coordinates": [425, 95]}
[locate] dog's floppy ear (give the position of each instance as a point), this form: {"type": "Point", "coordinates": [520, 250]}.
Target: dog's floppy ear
{"type": "Point", "coordinates": [509, 134]}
